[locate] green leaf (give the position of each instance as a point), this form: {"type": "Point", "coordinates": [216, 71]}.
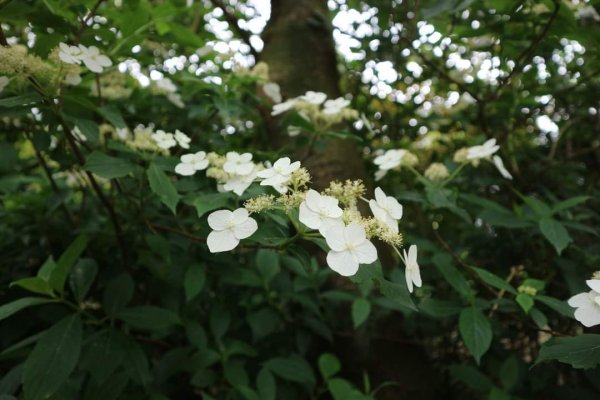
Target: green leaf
{"type": "Point", "coordinates": [557, 305]}
{"type": "Point", "coordinates": [397, 292]}
{"type": "Point", "coordinates": [58, 276]}
{"type": "Point", "coordinates": [82, 277]}
{"type": "Point", "coordinates": [265, 383]}
{"type": "Point", "coordinates": [150, 318]}
{"type": "Point", "coordinates": [162, 186]}
{"type": "Point", "coordinates": [11, 308]}
{"type": "Point", "coordinates": [112, 114]}
{"type": "Point", "coordinates": [471, 377]}
{"type": "Point", "coordinates": [22, 100]}
{"type": "Point", "coordinates": [476, 331]}
{"type": "Point", "coordinates": [52, 359]}
{"type": "Point", "coordinates": [538, 206]}
{"type": "Point", "coordinates": [195, 276]}
{"type": "Point", "coordinates": [582, 351]}
{"type": "Point", "coordinates": [569, 203]}
{"type": "Point", "coordinates": [361, 308]}
{"type": "Point", "coordinates": [556, 233]}
{"type": "Point", "coordinates": [293, 369]}
{"type": "Point", "coordinates": [494, 280]}
{"type": "Point", "coordinates": [210, 201]}
{"type": "Point", "coordinates": [509, 372]}
{"type": "Point", "coordinates": [34, 284]}
{"type": "Point", "coordinates": [453, 276]}
{"type": "Point", "coordinates": [103, 354]}
{"type": "Point", "coordinates": [220, 319]}
{"type": "Point", "coordinates": [525, 301]}
{"type": "Point", "coordinates": [108, 167]}
{"type": "Point", "coordinates": [267, 263]}
{"type": "Point", "coordinates": [118, 293]}
{"type": "Point", "coordinates": [329, 365]}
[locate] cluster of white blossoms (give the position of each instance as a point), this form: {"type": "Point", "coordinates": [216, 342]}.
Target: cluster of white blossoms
{"type": "Point", "coordinates": [316, 108]}
{"type": "Point", "coordinates": [166, 87]}
{"type": "Point", "coordinates": [332, 214]}
{"type": "Point", "coordinates": [473, 155]}
{"type": "Point", "coordinates": [587, 304]}
{"type": "Point", "coordinates": [89, 56]}
{"type": "Point", "coordinates": [146, 138]}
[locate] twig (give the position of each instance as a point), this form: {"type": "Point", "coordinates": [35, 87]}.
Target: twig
{"type": "Point", "coordinates": [509, 278]}
{"type": "Point", "coordinates": [98, 89]}
{"type": "Point", "coordinates": [154, 228]}
{"type": "Point", "coordinates": [233, 22]}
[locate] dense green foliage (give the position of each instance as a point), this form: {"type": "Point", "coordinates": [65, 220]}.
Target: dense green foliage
{"type": "Point", "coordinates": [108, 289]}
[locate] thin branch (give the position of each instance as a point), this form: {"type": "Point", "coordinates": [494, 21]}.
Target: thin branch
{"type": "Point", "coordinates": [233, 22]}
{"type": "Point", "coordinates": [154, 228]}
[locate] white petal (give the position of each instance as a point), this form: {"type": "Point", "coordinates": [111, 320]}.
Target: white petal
{"type": "Point", "coordinates": [308, 217]}
{"type": "Point", "coordinates": [412, 254]}
{"type": "Point", "coordinates": [334, 236]}
{"type": "Point", "coordinates": [408, 277]}
{"type": "Point", "coordinates": [330, 205]}
{"type": "Point", "coordinates": [366, 253]}
{"type": "Point", "coordinates": [188, 158]}
{"type": "Point", "coordinates": [395, 209]}
{"type": "Point", "coordinates": [219, 220]}
{"type": "Point", "coordinates": [245, 229]}
{"type": "Point", "coordinates": [342, 262]}
{"type": "Point", "coordinates": [500, 167]}
{"type": "Point", "coordinates": [588, 315]}
{"type": "Point", "coordinates": [380, 196]}
{"type": "Point", "coordinates": [416, 276]}
{"type": "Point", "coordinates": [313, 199]}
{"type": "Point", "coordinates": [244, 169]}
{"type": "Point", "coordinates": [355, 234]}
{"type": "Point", "coordinates": [266, 173]}
{"type": "Point", "coordinates": [219, 241]}
{"type": "Point", "coordinates": [185, 169]}
{"type": "Point", "coordinates": [245, 158]}
{"type": "Point", "coordinates": [239, 216]}
{"type": "Point", "coordinates": [200, 165]}
{"type": "Point", "coordinates": [579, 300]}
{"type": "Point", "coordinates": [377, 211]}
{"type": "Point", "coordinates": [594, 284]}
{"type": "Point", "coordinates": [328, 223]}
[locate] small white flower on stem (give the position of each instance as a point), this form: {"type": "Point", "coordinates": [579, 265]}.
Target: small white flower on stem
{"type": "Point", "coordinates": [164, 140]}
{"type": "Point", "coordinates": [92, 59]}
{"type": "Point", "coordinates": [412, 272]}
{"type": "Point", "coordinates": [587, 304]}
{"type": "Point", "coordinates": [190, 163]}
{"type": "Point", "coordinates": [272, 91]}
{"type": "Point", "coordinates": [228, 229]}
{"type": "Point", "coordinates": [386, 209]}
{"type": "Point", "coordinates": [319, 212]}
{"type": "Point", "coordinates": [390, 159]}
{"type": "Point", "coordinates": [238, 164]}
{"type": "Point", "coordinates": [500, 167]}
{"type": "Point", "coordinates": [283, 107]}
{"type": "Point", "coordinates": [483, 151]}
{"type": "Point", "coordinates": [315, 98]}
{"type": "Point", "coordinates": [69, 54]}
{"type": "Point", "coordinates": [182, 139]}
{"type": "Point", "coordinates": [349, 248]}
{"type": "Point", "coordinates": [239, 183]}
{"type": "Point", "coordinates": [335, 106]}
{"type": "Point", "coordinates": [279, 174]}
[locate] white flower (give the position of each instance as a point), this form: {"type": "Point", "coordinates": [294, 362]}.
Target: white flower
{"type": "Point", "coordinates": [412, 272]}
{"type": "Point", "coordinates": [239, 183]}
{"type": "Point", "coordinates": [386, 209]}
{"type": "Point", "coordinates": [319, 212]}
{"type": "Point", "coordinates": [349, 248]}
{"type": "Point", "coordinates": [3, 82]}
{"type": "Point", "coordinates": [315, 98]}
{"type": "Point", "coordinates": [164, 140]}
{"type": "Point", "coordinates": [175, 99]}
{"type": "Point", "coordinates": [92, 59]}
{"type": "Point", "coordinates": [587, 304]}
{"type": "Point", "coordinates": [69, 54]}
{"type": "Point", "coordinates": [283, 107]}
{"type": "Point", "coordinates": [279, 174]}
{"type": "Point", "coordinates": [390, 159]}
{"type": "Point", "coordinates": [238, 164]}
{"type": "Point", "coordinates": [166, 85]}
{"type": "Point", "coordinates": [190, 163]}
{"type": "Point", "coordinates": [78, 134]}
{"type": "Point", "coordinates": [122, 133]}
{"type": "Point", "coordinates": [483, 151]}
{"type": "Point", "coordinates": [228, 229]}
{"type": "Point", "coordinates": [272, 91]}
{"type": "Point", "coordinates": [72, 79]}
{"type": "Point", "coordinates": [500, 166]}
{"type": "Point", "coordinates": [182, 139]}
{"type": "Point", "coordinates": [335, 106]}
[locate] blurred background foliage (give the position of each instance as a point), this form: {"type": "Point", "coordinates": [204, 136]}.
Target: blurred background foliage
{"type": "Point", "coordinates": [118, 297]}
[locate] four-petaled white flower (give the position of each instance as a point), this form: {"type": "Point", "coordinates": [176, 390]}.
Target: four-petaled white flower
{"type": "Point", "coordinates": [190, 163]}
{"type": "Point", "coordinates": [587, 304]}
{"type": "Point", "coordinates": [182, 139]}
{"type": "Point", "coordinates": [319, 212]}
{"type": "Point", "coordinates": [239, 183]}
{"type": "Point", "coordinates": [283, 107]}
{"type": "Point", "coordinates": [412, 272]}
{"type": "Point", "coordinates": [349, 248]}
{"type": "Point", "coordinates": [238, 164]}
{"type": "Point", "coordinates": [164, 140]}
{"type": "Point", "coordinates": [272, 91]}
{"type": "Point", "coordinates": [386, 209]}
{"type": "Point", "coordinates": [335, 106]}
{"type": "Point", "coordinates": [500, 167]}
{"type": "Point", "coordinates": [482, 151]}
{"type": "Point", "coordinates": [228, 229]}
{"type": "Point", "coordinates": [92, 59]}
{"type": "Point", "coordinates": [390, 159]}
{"type": "Point", "coordinates": [315, 98]}
{"type": "Point", "coordinates": [279, 174]}
{"type": "Point", "coordinates": [69, 54]}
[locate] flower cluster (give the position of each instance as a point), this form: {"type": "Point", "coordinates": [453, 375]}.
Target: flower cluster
{"type": "Point", "coordinates": [89, 56]}
{"type": "Point", "coordinates": [486, 151]}
{"type": "Point", "coordinates": [145, 138]}
{"type": "Point", "coordinates": [587, 304]}
{"type": "Point", "coordinates": [316, 108]}
{"type": "Point", "coordinates": [393, 159]}
{"type": "Point", "coordinates": [114, 86]}
{"type": "Point", "coordinates": [17, 62]}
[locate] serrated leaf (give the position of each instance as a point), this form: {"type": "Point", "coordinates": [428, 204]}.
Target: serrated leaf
{"type": "Point", "coordinates": [52, 359]}
{"type": "Point", "coordinates": [582, 351]}
{"type": "Point", "coordinates": [556, 233]}
{"type": "Point", "coordinates": [476, 331]}
{"type": "Point", "coordinates": [108, 167]}
{"type": "Point", "coordinates": [162, 186]}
